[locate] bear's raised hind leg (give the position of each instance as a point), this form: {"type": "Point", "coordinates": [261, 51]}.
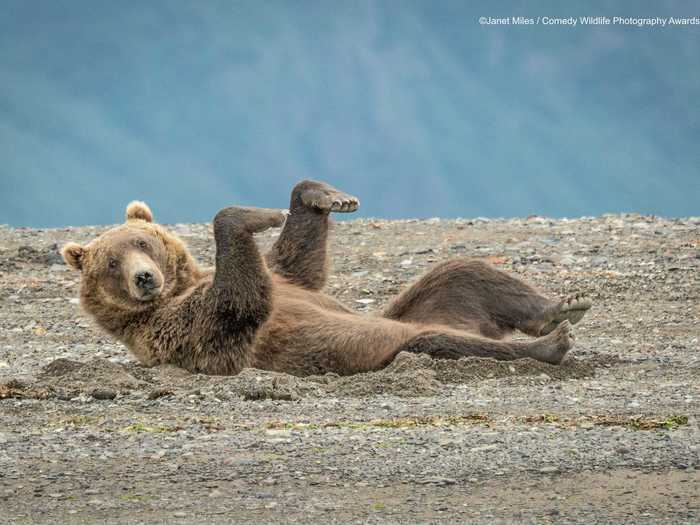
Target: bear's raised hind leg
{"type": "Point", "coordinates": [300, 253]}
{"type": "Point", "coordinates": [472, 295]}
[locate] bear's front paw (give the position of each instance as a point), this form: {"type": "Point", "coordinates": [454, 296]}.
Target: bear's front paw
{"type": "Point", "coordinates": [250, 220]}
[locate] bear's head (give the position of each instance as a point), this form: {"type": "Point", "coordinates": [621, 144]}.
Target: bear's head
{"type": "Point", "coordinates": [133, 267]}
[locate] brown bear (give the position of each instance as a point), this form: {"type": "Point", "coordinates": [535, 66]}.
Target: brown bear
{"type": "Point", "coordinates": [143, 287]}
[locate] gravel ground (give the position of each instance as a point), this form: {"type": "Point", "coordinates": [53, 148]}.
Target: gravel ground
{"type": "Point", "coordinates": [612, 435]}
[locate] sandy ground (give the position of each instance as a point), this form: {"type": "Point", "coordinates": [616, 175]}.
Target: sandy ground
{"type": "Point", "coordinates": [611, 435]}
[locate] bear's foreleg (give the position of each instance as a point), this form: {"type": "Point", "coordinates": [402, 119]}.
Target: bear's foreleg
{"type": "Point", "coordinates": [242, 284]}
{"type": "Point", "coordinates": [213, 329]}
{"type": "Point", "coordinates": [228, 314]}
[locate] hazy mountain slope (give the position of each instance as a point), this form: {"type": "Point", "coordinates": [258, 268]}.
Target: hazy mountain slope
{"type": "Point", "coordinates": [412, 105]}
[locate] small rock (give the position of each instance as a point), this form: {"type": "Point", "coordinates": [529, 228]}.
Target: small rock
{"type": "Point", "coordinates": [484, 448]}
{"type": "Point", "coordinates": [103, 394]}
{"type": "Point", "coordinates": [160, 392]}
{"type": "Point", "coordinates": [437, 480]}
{"type": "Point", "coordinates": [241, 461]}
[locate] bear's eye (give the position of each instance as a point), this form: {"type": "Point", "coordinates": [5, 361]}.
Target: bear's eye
{"type": "Point", "coordinates": [142, 244]}
{"type": "Point", "coordinates": [112, 264]}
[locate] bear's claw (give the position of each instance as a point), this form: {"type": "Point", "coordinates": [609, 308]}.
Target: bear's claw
{"type": "Point", "coordinates": [571, 309]}
{"type": "Point", "coordinates": [330, 200]}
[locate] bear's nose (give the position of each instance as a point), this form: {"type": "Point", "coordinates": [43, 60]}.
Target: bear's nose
{"type": "Point", "coordinates": [144, 280]}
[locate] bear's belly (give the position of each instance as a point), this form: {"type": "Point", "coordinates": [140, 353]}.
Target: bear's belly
{"type": "Point", "coordinates": [304, 338]}
{"type": "Point", "coordinates": [289, 296]}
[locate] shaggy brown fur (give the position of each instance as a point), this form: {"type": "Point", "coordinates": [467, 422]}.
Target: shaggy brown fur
{"type": "Point", "coordinates": [142, 286]}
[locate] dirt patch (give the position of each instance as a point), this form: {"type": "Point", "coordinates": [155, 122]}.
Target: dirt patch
{"type": "Point", "coordinates": [67, 379]}
{"type": "Point", "coordinates": [477, 369]}
{"type": "Point", "coordinates": [409, 375]}
{"type": "Point", "coordinates": [416, 375]}
{"type": "Point", "coordinates": [416, 382]}
{"type": "Point", "coordinates": [252, 384]}
{"type": "Point", "coordinates": [96, 372]}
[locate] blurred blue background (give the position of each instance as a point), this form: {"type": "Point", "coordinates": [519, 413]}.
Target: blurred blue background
{"type": "Point", "coordinates": [411, 105]}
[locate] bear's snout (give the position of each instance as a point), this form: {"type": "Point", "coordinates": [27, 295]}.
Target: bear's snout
{"type": "Point", "coordinates": [145, 281]}
{"type": "Point", "coordinates": [144, 278]}
{"type": "Point", "coordinates": [146, 284]}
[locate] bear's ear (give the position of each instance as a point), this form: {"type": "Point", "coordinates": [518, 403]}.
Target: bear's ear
{"type": "Point", "coordinates": [138, 210]}
{"type": "Point", "coordinates": [73, 254]}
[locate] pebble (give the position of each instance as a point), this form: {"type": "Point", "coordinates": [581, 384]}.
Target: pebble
{"type": "Point", "coordinates": [103, 394]}
{"type": "Point", "coordinates": [437, 480]}
{"type": "Point", "coordinates": [484, 448]}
